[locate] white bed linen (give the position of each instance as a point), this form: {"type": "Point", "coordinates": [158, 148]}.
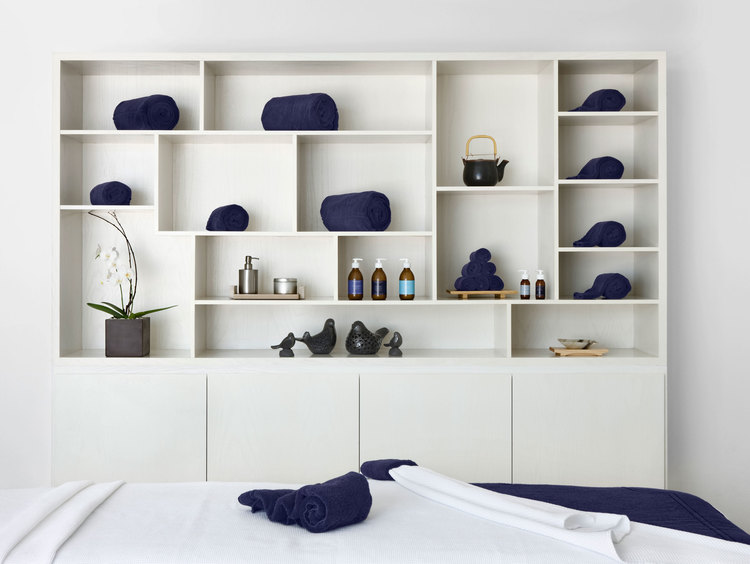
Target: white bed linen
{"type": "Point", "coordinates": [203, 522]}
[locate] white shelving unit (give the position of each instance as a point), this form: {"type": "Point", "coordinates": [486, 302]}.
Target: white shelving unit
{"type": "Point", "coordinates": [404, 122]}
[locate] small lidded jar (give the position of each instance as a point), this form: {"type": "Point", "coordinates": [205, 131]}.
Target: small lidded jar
{"type": "Point", "coordinates": [284, 285]}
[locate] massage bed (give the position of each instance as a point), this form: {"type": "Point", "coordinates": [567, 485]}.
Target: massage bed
{"type": "Point", "coordinates": [81, 522]}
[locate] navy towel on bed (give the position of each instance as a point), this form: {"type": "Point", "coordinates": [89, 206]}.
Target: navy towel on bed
{"type": "Point", "coordinates": [606, 100]}
{"type": "Point", "coordinates": [356, 211]}
{"type": "Point", "coordinates": [112, 193]}
{"type": "Point", "coordinates": [379, 469]}
{"type": "Point", "coordinates": [662, 508]}
{"type": "Point", "coordinates": [150, 112]}
{"type": "Point", "coordinates": [603, 234]}
{"type": "Point", "coordinates": [341, 501]}
{"type": "Point", "coordinates": [611, 286]}
{"type": "Point", "coordinates": [228, 218]}
{"type": "Point", "coordinates": [303, 112]}
{"type": "Point", "coordinates": [601, 167]}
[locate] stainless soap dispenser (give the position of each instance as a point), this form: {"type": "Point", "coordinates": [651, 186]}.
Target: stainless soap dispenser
{"type": "Point", "coordinates": [248, 283]}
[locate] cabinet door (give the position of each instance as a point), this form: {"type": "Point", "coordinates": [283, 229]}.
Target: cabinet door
{"type": "Point", "coordinates": [589, 429]}
{"type": "Point", "coordinates": [456, 424]}
{"type": "Point", "coordinates": [133, 427]}
{"type": "Point", "coordinates": [282, 427]}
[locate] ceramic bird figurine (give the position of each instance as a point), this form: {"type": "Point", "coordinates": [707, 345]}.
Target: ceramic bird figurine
{"type": "Point", "coordinates": [362, 341]}
{"type": "Point", "coordinates": [395, 342]}
{"type": "Point", "coordinates": [323, 342]}
{"type": "Point", "coordinates": [286, 345]}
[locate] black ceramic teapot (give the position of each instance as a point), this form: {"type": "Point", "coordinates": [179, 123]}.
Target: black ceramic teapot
{"type": "Point", "coordinates": [483, 172]}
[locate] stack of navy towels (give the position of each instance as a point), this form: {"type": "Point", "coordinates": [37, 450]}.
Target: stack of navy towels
{"type": "Point", "coordinates": [479, 273]}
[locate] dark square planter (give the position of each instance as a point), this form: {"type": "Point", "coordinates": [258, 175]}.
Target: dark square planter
{"type": "Point", "coordinates": [127, 337]}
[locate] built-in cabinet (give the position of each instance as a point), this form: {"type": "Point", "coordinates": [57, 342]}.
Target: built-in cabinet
{"type": "Point", "coordinates": [477, 394]}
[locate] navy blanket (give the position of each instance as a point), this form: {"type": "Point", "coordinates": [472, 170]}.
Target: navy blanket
{"type": "Point", "coordinates": [341, 501]}
{"type": "Point", "coordinates": [607, 100]}
{"type": "Point", "coordinates": [601, 167]}
{"type": "Point", "coordinates": [379, 469]}
{"type": "Point", "coordinates": [112, 193]}
{"type": "Point", "coordinates": [150, 112]}
{"type": "Point", "coordinates": [603, 234]}
{"type": "Point", "coordinates": [611, 286]}
{"type": "Point", "coordinates": [228, 218]}
{"type": "Point", "coordinates": [663, 508]}
{"type": "Point", "coordinates": [303, 112]}
{"type": "Point", "coordinates": [357, 211]}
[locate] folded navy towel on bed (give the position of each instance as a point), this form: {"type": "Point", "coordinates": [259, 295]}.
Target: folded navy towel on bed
{"type": "Point", "coordinates": [601, 167]}
{"type": "Point", "coordinates": [302, 112]}
{"type": "Point", "coordinates": [379, 469]}
{"type": "Point", "coordinates": [341, 501]}
{"type": "Point", "coordinates": [112, 193]}
{"type": "Point", "coordinates": [603, 234]}
{"type": "Point", "coordinates": [606, 100]}
{"type": "Point", "coordinates": [157, 111]}
{"type": "Point", "coordinates": [612, 286]}
{"type": "Point", "coordinates": [228, 218]}
{"type": "Point", "coordinates": [662, 508]}
{"type": "Point", "coordinates": [356, 211]}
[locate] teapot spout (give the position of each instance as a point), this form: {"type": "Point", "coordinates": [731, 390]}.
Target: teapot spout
{"type": "Point", "coordinates": [501, 170]}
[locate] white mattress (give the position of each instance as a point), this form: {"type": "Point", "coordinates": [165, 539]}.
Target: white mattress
{"type": "Point", "coordinates": [203, 522]}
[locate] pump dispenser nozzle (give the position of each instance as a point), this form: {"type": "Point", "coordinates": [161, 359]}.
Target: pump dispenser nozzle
{"type": "Point", "coordinates": [379, 262]}
{"type": "Point", "coordinates": [539, 274]}
{"type": "Point", "coordinates": [407, 264]}
{"type": "Point", "coordinates": [356, 261]}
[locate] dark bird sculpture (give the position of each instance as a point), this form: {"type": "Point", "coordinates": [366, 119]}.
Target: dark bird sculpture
{"type": "Point", "coordinates": [395, 342]}
{"type": "Point", "coordinates": [360, 340]}
{"type": "Point", "coordinates": [323, 342]}
{"type": "Point", "coordinates": [286, 345]}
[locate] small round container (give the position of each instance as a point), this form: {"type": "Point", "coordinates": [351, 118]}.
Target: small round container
{"type": "Point", "coordinates": [284, 285]}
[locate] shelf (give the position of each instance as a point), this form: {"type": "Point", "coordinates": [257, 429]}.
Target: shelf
{"type": "Point", "coordinates": [493, 190]}
{"type": "Point", "coordinates": [87, 208]}
{"type": "Point", "coordinates": [605, 118]}
{"type": "Point", "coordinates": [621, 249]}
{"type": "Point", "coordinates": [609, 183]}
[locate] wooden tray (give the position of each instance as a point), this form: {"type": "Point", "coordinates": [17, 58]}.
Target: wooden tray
{"type": "Point", "coordinates": [264, 296]}
{"type": "Point", "coordinates": [562, 351]}
{"type": "Point", "coordinates": [499, 294]}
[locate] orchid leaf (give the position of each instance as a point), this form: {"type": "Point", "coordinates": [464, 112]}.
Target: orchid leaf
{"type": "Point", "coordinates": [142, 313]}
{"type": "Point", "coordinates": [116, 308]}
{"type": "Point", "coordinates": [106, 309]}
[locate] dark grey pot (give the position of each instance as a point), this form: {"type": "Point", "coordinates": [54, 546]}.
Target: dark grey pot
{"type": "Point", "coordinates": [127, 337]}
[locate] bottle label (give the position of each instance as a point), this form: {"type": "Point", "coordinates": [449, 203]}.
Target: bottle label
{"type": "Point", "coordinates": [406, 287]}
{"type": "Point", "coordinates": [356, 287]}
{"type": "Point", "coordinates": [525, 290]}
{"type": "Point", "coordinates": [379, 287]}
{"type": "Point", "coordinates": [539, 292]}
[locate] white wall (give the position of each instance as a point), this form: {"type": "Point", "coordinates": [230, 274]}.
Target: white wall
{"type": "Point", "coordinates": [709, 382]}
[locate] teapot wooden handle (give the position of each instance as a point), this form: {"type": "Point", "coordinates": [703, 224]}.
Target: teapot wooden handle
{"type": "Point", "coordinates": [494, 145]}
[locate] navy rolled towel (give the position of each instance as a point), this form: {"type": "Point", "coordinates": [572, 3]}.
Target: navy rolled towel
{"type": "Point", "coordinates": [277, 504]}
{"type": "Point", "coordinates": [606, 100]}
{"type": "Point", "coordinates": [601, 167]}
{"type": "Point", "coordinates": [466, 283]}
{"type": "Point", "coordinates": [611, 286]}
{"type": "Point", "coordinates": [603, 234]}
{"type": "Point", "coordinates": [112, 193]}
{"type": "Point", "coordinates": [356, 211]}
{"type": "Point", "coordinates": [489, 268]}
{"type": "Point", "coordinates": [480, 255]}
{"type": "Point", "coordinates": [473, 268]}
{"type": "Point", "coordinates": [496, 283]}
{"type": "Point", "coordinates": [302, 112]}
{"type": "Point", "coordinates": [157, 111]}
{"type": "Point", "coordinates": [345, 500]}
{"type": "Point", "coordinates": [228, 218]}
{"type": "Point", "coordinates": [380, 469]}
{"type": "Point", "coordinates": [483, 282]}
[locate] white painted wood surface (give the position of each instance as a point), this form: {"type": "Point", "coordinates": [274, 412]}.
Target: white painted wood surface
{"type": "Point", "coordinates": [133, 427]}
{"type": "Point", "coordinates": [589, 429]}
{"type": "Point", "coordinates": [458, 424]}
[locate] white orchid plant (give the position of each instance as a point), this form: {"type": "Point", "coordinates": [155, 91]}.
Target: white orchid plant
{"type": "Point", "coordinates": [121, 271]}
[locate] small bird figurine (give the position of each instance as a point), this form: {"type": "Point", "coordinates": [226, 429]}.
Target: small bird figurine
{"type": "Point", "coordinates": [395, 342]}
{"type": "Point", "coordinates": [286, 345]}
{"type": "Point", "coordinates": [360, 340]}
{"type": "Point", "coordinates": [323, 342]}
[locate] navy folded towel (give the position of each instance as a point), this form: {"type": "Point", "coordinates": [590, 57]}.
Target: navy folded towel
{"type": "Point", "coordinates": [479, 273]}
{"type": "Point", "coordinates": [466, 283]}
{"type": "Point", "coordinates": [473, 268]}
{"type": "Point", "coordinates": [601, 167]}
{"type": "Point", "coordinates": [380, 469]}
{"type": "Point", "coordinates": [603, 234]}
{"type": "Point", "coordinates": [157, 111]}
{"type": "Point", "coordinates": [356, 211]}
{"type": "Point", "coordinates": [112, 193]}
{"type": "Point", "coordinates": [302, 112]}
{"type": "Point", "coordinates": [496, 283]}
{"type": "Point", "coordinates": [606, 100]}
{"type": "Point", "coordinates": [611, 286]}
{"type": "Point", "coordinates": [228, 218]}
{"type": "Point", "coordinates": [341, 501]}
{"type": "Point", "coordinates": [480, 255]}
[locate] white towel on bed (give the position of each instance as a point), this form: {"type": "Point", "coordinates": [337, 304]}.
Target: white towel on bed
{"type": "Point", "coordinates": [593, 531]}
